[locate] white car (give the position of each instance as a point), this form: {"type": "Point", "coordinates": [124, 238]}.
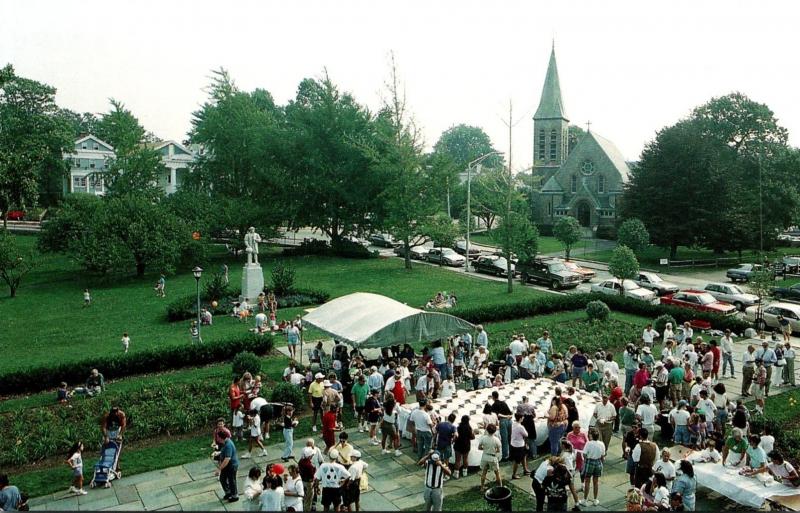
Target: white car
{"type": "Point", "coordinates": [732, 294]}
{"type": "Point", "coordinates": [632, 290]}
{"type": "Point", "coordinates": [652, 281]}
{"type": "Point", "coordinates": [445, 256]}
{"type": "Point", "coordinates": [790, 311]}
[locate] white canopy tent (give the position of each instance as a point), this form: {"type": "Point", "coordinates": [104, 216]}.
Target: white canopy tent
{"type": "Point", "coordinates": [366, 320]}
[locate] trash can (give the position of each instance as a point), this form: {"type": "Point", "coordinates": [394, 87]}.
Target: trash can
{"type": "Point", "coordinates": [499, 497]}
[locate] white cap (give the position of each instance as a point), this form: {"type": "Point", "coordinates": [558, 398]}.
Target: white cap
{"type": "Point", "coordinates": [319, 375]}
{"type": "Point", "coordinates": [326, 383]}
{"type": "Point", "coordinates": [355, 454]}
{"type": "Point", "coordinates": [435, 456]}
{"type": "Point", "coordinates": [333, 454]}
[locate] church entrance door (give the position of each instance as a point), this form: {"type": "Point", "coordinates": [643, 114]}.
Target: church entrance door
{"type": "Point", "coordinates": [584, 214]}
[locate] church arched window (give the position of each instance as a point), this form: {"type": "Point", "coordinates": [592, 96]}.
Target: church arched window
{"type": "Point", "coordinates": [601, 184]}
{"type": "Point", "coordinates": [574, 184]}
{"type": "Point", "coordinates": [541, 144]}
{"type": "Point", "coordinates": [553, 144]}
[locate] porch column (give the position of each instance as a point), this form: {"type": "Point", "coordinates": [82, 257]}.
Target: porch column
{"type": "Point", "coordinates": [173, 176]}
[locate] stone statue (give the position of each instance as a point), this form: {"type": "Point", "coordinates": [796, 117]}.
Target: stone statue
{"type": "Point", "coordinates": [251, 240]}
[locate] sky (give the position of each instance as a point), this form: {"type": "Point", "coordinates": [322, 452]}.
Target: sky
{"type": "Point", "coordinates": [629, 67]}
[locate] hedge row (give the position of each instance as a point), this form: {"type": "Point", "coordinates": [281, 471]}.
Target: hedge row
{"type": "Point", "coordinates": [43, 377]}
{"type": "Point", "coordinates": [186, 307]}
{"type": "Point", "coordinates": [557, 303]}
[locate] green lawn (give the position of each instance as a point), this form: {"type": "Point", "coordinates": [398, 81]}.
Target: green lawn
{"type": "Point", "coordinates": [47, 323]}
{"type": "Point", "coordinates": [546, 244]}
{"type": "Point", "coordinates": [653, 254]}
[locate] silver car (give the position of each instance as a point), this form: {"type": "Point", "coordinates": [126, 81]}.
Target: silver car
{"type": "Point", "coordinates": [790, 311]}
{"type": "Point", "coordinates": [732, 294]}
{"type": "Point", "coordinates": [652, 281]}
{"type": "Point", "coordinates": [631, 289]}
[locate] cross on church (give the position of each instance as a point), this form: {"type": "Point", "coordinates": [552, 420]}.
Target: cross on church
{"type": "Point", "coordinates": [588, 126]}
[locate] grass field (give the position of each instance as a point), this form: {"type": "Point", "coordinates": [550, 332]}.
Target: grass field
{"type": "Point", "coordinates": [653, 254]}
{"type": "Point", "coordinates": [546, 244]}
{"type": "Point", "coordinates": [47, 322]}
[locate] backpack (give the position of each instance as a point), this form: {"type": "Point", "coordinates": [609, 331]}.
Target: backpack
{"type": "Point", "coordinates": [307, 469]}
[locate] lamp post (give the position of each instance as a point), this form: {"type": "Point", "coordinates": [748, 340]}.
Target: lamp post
{"type": "Point", "coordinates": [476, 162]}
{"type": "Point", "coordinates": [198, 272]}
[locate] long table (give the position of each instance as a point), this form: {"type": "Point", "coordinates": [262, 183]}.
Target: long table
{"type": "Point", "coordinates": [746, 490]}
{"type": "Point", "coordinates": [540, 393]}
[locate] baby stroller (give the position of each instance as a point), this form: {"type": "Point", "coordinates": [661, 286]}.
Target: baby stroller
{"type": "Point", "coordinates": [107, 469]}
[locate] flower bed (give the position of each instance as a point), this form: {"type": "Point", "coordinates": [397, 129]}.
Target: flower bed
{"type": "Point", "coordinates": [186, 307]}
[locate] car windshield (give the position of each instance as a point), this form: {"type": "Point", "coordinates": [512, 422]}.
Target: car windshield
{"type": "Point", "coordinates": [706, 299]}
{"type": "Point", "coordinates": [735, 290]}
{"type": "Point", "coordinates": [557, 267]}
{"type": "Point", "coordinates": [500, 262]}
{"type": "Point", "coordinates": [654, 278]}
{"type": "Point", "coordinates": [448, 252]}
{"type": "Point", "coordinates": [629, 285]}
{"type": "Point", "coordinates": [570, 265]}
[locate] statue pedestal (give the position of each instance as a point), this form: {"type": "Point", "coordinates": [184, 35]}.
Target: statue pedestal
{"type": "Point", "coordinates": [252, 282]}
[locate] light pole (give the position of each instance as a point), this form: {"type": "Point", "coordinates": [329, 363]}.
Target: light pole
{"type": "Point", "coordinates": [476, 162]}
{"type": "Point", "coordinates": [198, 272]}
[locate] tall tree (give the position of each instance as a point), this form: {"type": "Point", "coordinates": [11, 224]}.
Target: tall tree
{"type": "Point", "coordinates": [633, 233]}
{"type": "Point", "coordinates": [623, 265]}
{"type": "Point", "coordinates": [136, 171]}
{"type": "Point", "coordinates": [567, 231]}
{"type": "Point", "coordinates": [516, 235]}
{"type": "Point", "coordinates": [120, 128]}
{"type": "Point", "coordinates": [33, 137]}
{"type": "Point", "coordinates": [332, 185]}
{"type": "Point", "coordinates": [15, 262]}
{"type": "Point", "coordinates": [574, 135]}
{"type": "Point", "coordinates": [464, 143]}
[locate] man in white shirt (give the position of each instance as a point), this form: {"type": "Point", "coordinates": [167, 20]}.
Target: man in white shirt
{"type": "Point", "coordinates": [679, 418]}
{"type": "Point", "coordinates": [333, 478]}
{"type": "Point", "coordinates": [727, 352]}
{"type": "Point", "coordinates": [482, 354]}
{"type": "Point", "coordinates": [648, 335]}
{"type": "Point", "coordinates": [424, 428]}
{"type": "Point", "coordinates": [483, 338]}
{"type": "Point", "coordinates": [709, 410]}
{"type": "Point", "coordinates": [604, 415]}
{"type": "Point", "coordinates": [646, 413]}
{"type": "Point", "coordinates": [644, 455]}
{"type": "Point", "coordinates": [516, 346]}
{"type": "Point", "coordinates": [748, 369]}
{"type": "Point", "coordinates": [666, 467]}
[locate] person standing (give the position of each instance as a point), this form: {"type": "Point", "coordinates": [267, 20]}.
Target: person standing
{"type": "Point", "coordinates": [786, 328]}
{"type": "Point", "coordinates": [557, 419]}
{"type": "Point", "coordinates": [462, 446]}
{"type": "Point", "coordinates": [329, 427]}
{"type": "Point", "coordinates": [594, 454]}
{"type": "Point", "coordinates": [727, 353]}
{"type": "Point", "coordinates": [788, 369]}
{"type": "Point", "coordinates": [483, 337]}
{"type": "Point", "coordinates": [332, 477]}
{"type": "Point", "coordinates": [446, 434]}
{"type": "Point", "coordinates": [294, 491]}
{"type": "Point", "coordinates": [226, 470]}
{"type": "Point", "coordinates": [760, 384]}
{"type": "Point", "coordinates": [528, 412]}
{"type": "Point", "coordinates": [604, 415]}
{"type": "Point", "coordinates": [307, 470]}
{"type": "Point", "coordinates": [686, 484]}
{"type": "Point", "coordinates": [292, 339]}
{"type": "Point", "coordinates": [491, 447]}
{"type": "Point", "coordinates": [769, 359]}
{"type": "Point", "coordinates": [630, 359]}
{"type": "Point", "coordinates": [578, 439]}
{"type": "Point", "coordinates": [315, 392]}
{"type": "Point", "coordinates": [649, 335]}
{"type": "Point", "coordinates": [161, 287]}
{"type": "Point", "coordinates": [646, 413]}
{"type": "Point", "coordinates": [352, 495]}
{"type": "Point", "coordinates": [748, 369]}
{"type": "Point", "coordinates": [87, 298]}
{"type": "Point", "coordinates": [518, 450]}
{"type": "Point", "coordinates": [644, 456]}
{"type": "Point", "coordinates": [504, 415]}
{"type": "Point", "coordinates": [545, 344]}
{"type": "Point", "coordinates": [358, 393]}
{"type": "Point", "coordinates": [423, 426]}
{"type": "Point", "coordinates": [194, 333]}
{"type": "Point", "coordinates": [289, 423]}
{"type": "Point", "coordinates": [75, 462]}
{"type": "Point", "coordinates": [126, 342]}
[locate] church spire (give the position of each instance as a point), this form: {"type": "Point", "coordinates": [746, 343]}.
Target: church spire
{"type": "Point", "coordinates": [551, 106]}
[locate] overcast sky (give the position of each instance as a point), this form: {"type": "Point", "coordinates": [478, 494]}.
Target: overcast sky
{"type": "Point", "coordinates": [629, 67]}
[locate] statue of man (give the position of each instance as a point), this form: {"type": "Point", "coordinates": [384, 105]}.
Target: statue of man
{"type": "Point", "coordinates": [251, 240]}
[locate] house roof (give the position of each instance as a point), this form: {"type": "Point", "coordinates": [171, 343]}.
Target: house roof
{"type": "Point", "coordinates": [613, 155]}
{"type": "Point", "coordinates": [551, 105]}
{"type": "Point", "coordinates": [95, 139]}
{"type": "Point", "coordinates": [552, 185]}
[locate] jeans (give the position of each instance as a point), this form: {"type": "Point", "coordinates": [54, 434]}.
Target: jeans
{"type": "Point", "coordinates": [747, 378]}
{"type": "Point", "coordinates": [629, 373]}
{"type": "Point", "coordinates": [433, 499]}
{"type": "Point", "coordinates": [554, 434]}
{"type": "Point", "coordinates": [423, 442]}
{"type": "Point", "coordinates": [505, 436]}
{"type": "Point", "coordinates": [227, 478]}
{"type": "Point", "coordinates": [681, 435]}
{"type": "Point", "coordinates": [288, 442]}
{"type": "Point", "coordinates": [539, 491]}
{"type": "Point", "coordinates": [532, 449]}
{"type": "Point", "coordinates": [727, 359]}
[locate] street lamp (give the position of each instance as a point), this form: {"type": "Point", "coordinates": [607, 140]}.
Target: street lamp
{"type": "Point", "coordinates": [476, 162]}
{"type": "Point", "coordinates": [198, 272]}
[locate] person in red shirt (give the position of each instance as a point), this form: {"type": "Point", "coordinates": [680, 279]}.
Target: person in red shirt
{"type": "Point", "coordinates": [399, 392]}
{"type": "Point", "coordinates": [641, 377]}
{"type": "Point", "coordinates": [717, 357]}
{"type": "Point", "coordinates": [329, 427]}
{"type": "Point", "coordinates": [235, 395]}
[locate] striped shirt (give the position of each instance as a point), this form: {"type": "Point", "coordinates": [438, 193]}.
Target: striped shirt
{"type": "Point", "coordinates": [434, 475]}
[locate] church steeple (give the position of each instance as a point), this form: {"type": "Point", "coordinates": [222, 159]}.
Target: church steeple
{"type": "Point", "coordinates": [551, 105]}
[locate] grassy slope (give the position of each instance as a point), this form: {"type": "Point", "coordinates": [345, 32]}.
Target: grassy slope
{"type": "Point", "coordinates": [47, 323]}
{"type": "Point", "coordinates": [652, 255]}
{"type": "Point", "coordinates": [546, 244]}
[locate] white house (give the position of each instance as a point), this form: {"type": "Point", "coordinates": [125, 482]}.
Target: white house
{"type": "Point", "coordinates": [91, 158]}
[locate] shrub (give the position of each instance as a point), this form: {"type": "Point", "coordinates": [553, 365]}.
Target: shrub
{"type": "Point", "coordinates": [287, 393]}
{"type": "Point", "coordinates": [186, 307]}
{"type": "Point", "coordinates": [34, 379]}
{"type": "Point", "coordinates": [309, 247]}
{"type": "Point", "coordinates": [282, 279]}
{"type": "Point", "coordinates": [661, 322]}
{"type": "Point", "coordinates": [597, 310]}
{"type": "Point", "coordinates": [633, 233]}
{"type": "Point", "coordinates": [606, 232]}
{"type": "Point", "coordinates": [216, 288]}
{"type": "Point", "coordinates": [246, 362]}
{"type": "Point", "coordinates": [348, 249]}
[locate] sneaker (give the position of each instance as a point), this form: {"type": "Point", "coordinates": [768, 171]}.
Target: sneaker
{"type": "Point", "coordinates": [263, 452]}
{"type": "Point", "coordinates": [596, 502]}
{"type": "Point", "coordinates": [266, 435]}
{"type": "Point", "coordinates": [398, 453]}
{"type": "Point", "coordinates": [72, 489]}
{"type": "Point", "coordinates": [82, 492]}
{"type": "Point", "coordinates": [463, 472]}
{"type": "Point", "coordinates": [582, 502]}
{"type": "Point", "coordinates": [374, 441]}
{"type": "Point", "coordinates": [245, 455]}
{"type": "Point", "coordinates": [314, 429]}
{"type": "Point", "coordinates": [360, 429]}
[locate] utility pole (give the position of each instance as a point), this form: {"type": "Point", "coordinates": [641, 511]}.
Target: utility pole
{"type": "Point", "coordinates": [509, 194]}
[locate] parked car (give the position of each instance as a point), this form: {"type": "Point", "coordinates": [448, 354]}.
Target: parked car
{"type": "Point", "coordinates": [356, 240]}
{"type": "Point", "coordinates": [461, 248]}
{"type": "Point", "coordinates": [491, 264]}
{"type": "Point", "coordinates": [652, 281]}
{"type": "Point", "coordinates": [786, 239]}
{"type": "Point", "coordinates": [732, 294]}
{"type": "Point", "coordinates": [699, 300]}
{"type": "Point", "coordinates": [743, 273]}
{"type": "Point", "coordinates": [383, 239]}
{"type": "Point", "coordinates": [586, 274]}
{"type": "Point", "coordinates": [792, 292]}
{"type": "Point", "coordinates": [631, 290]}
{"type": "Point", "coordinates": [770, 315]}
{"type": "Point", "coordinates": [16, 215]}
{"type": "Point", "coordinates": [417, 252]}
{"type": "Point", "coordinates": [789, 264]}
{"type": "Point", "coordinates": [514, 258]}
{"type": "Point", "coordinates": [445, 256]}
{"type": "Point", "coordinates": [549, 271]}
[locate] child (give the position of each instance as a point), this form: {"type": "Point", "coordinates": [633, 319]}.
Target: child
{"type": "Point", "coordinates": [759, 383]}
{"type": "Point", "coordinates": [272, 320]}
{"type": "Point", "coordinates": [254, 421]}
{"type": "Point", "coordinates": [126, 341]}
{"type": "Point", "coordinates": [63, 395]}
{"type": "Point", "coordinates": [238, 422]}
{"type": "Point", "coordinates": [289, 423]}
{"type": "Point", "coordinates": [76, 464]}
{"type": "Point", "coordinates": [697, 430]}
{"type": "Point", "coordinates": [194, 331]}
{"type": "Point", "coordinates": [708, 455]}
{"type": "Point", "coordinates": [568, 455]}
{"type": "Point", "coordinates": [256, 390]}
{"type": "Point", "coordinates": [87, 298]}
{"type": "Point", "coordinates": [253, 488]}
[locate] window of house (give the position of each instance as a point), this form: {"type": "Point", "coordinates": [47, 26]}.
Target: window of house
{"type": "Point", "coordinates": [97, 182]}
{"type": "Point", "coordinates": [553, 144]}
{"type": "Point", "coordinates": [96, 146]}
{"type": "Point", "coordinates": [573, 184]}
{"type": "Point", "coordinates": [79, 183]}
{"type": "Point", "coordinates": [169, 176]}
{"type": "Point", "coordinates": [549, 208]}
{"type": "Point", "coordinates": [77, 162]}
{"type": "Point", "coordinates": [91, 165]}
{"type": "Point", "coordinates": [601, 184]}
{"type": "Point", "coordinates": [83, 146]}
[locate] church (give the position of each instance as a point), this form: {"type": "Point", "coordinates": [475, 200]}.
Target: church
{"type": "Point", "coordinates": [585, 181]}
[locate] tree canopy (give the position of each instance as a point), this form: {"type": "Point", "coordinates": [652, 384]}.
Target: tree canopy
{"type": "Point", "coordinates": [623, 265]}
{"type": "Point", "coordinates": [567, 231]}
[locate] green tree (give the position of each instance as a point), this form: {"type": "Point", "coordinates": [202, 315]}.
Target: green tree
{"type": "Point", "coordinates": [761, 284]}
{"type": "Point", "coordinates": [120, 128]}
{"type": "Point", "coordinates": [623, 265]}
{"type": "Point", "coordinates": [516, 234]}
{"type": "Point", "coordinates": [69, 222]}
{"type": "Point", "coordinates": [463, 144]}
{"type": "Point", "coordinates": [567, 231]}
{"type": "Point", "coordinates": [15, 263]}
{"type": "Point", "coordinates": [442, 230]}
{"type": "Point", "coordinates": [33, 137]}
{"type": "Point", "coordinates": [136, 171]}
{"type": "Point", "coordinates": [80, 124]}
{"type": "Point", "coordinates": [633, 233]}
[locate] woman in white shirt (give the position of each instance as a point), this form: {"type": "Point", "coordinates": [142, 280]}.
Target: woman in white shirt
{"type": "Point", "coordinates": [272, 498]}
{"type": "Point", "coordinates": [253, 489]}
{"type": "Point", "coordinates": [668, 332]}
{"type": "Point", "coordinates": [719, 397]}
{"type": "Point", "coordinates": [293, 490]}
{"type": "Point", "coordinates": [646, 412]}
{"type": "Point", "coordinates": [660, 492]}
{"type": "Point", "coordinates": [489, 417]}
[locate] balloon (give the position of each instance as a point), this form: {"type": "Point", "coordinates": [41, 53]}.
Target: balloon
{"type": "Point", "coordinates": [214, 304]}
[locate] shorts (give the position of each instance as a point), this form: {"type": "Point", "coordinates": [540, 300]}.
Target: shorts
{"type": "Point", "coordinates": [77, 472]}
{"type": "Point", "coordinates": [388, 429]}
{"type": "Point", "coordinates": [490, 464]}
{"type": "Point", "coordinates": [446, 453]}
{"type": "Point", "coordinates": [661, 393]}
{"type": "Point", "coordinates": [331, 497]}
{"type": "Point", "coordinates": [360, 410]}
{"type": "Point", "coordinates": [758, 392]}
{"type": "Point", "coordinates": [592, 468]}
{"type": "Point", "coordinates": [353, 492]}
{"type": "Point", "coordinates": [518, 454]}
{"type": "Point", "coordinates": [577, 372]}
{"type": "Point", "coordinates": [265, 412]}
{"type": "Point", "coordinates": [292, 342]}
{"type": "Point", "coordinates": [316, 403]}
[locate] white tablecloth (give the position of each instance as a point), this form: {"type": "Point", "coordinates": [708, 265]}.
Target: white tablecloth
{"type": "Point", "coordinates": [747, 491]}
{"type": "Point", "coordinates": [539, 392]}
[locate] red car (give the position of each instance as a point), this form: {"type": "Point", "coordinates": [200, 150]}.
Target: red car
{"type": "Point", "coordinates": [15, 215]}
{"type": "Point", "coordinates": [698, 300]}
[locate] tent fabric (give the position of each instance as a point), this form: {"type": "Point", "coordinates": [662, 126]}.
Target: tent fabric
{"type": "Point", "coordinates": [371, 320]}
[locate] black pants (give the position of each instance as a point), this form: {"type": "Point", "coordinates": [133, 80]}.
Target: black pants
{"type": "Point", "coordinates": [538, 490]}
{"type": "Point", "coordinates": [642, 475]}
{"type": "Point", "coordinates": [227, 478]}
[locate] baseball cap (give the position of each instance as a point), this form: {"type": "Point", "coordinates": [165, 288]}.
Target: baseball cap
{"type": "Point", "coordinates": [435, 456]}
{"type": "Point", "coordinates": [278, 469]}
{"type": "Point", "coordinates": [355, 454]}
{"type": "Point", "coordinates": [333, 454]}
{"type": "Point", "coordinates": [308, 452]}
{"type": "Point", "coordinates": [319, 375]}
{"type": "Point", "coordinates": [326, 383]}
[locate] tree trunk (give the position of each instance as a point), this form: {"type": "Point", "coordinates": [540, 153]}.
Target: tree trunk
{"type": "Point", "coordinates": [673, 251]}
{"type": "Point", "coordinates": [509, 274]}
{"type": "Point", "coordinates": [407, 255]}
{"type": "Point", "coordinates": [139, 269]}
{"type": "Point", "coordinates": [5, 220]}
{"type": "Point", "coordinates": [13, 289]}
{"type": "Point", "coordinates": [566, 251]}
